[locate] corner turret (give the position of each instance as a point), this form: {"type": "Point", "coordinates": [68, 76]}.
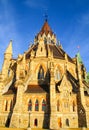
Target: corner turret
{"type": "Point", "coordinates": [7, 60]}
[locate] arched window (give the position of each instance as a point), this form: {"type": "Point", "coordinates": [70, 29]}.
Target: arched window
{"type": "Point", "coordinates": [36, 105]}
{"type": "Point", "coordinates": [11, 105]}
{"type": "Point", "coordinates": [67, 122]}
{"type": "Point", "coordinates": [41, 73]}
{"type": "Point", "coordinates": [6, 105]}
{"type": "Point", "coordinates": [30, 105]}
{"type": "Point", "coordinates": [57, 105]}
{"type": "Point", "coordinates": [43, 105]}
{"type": "Point", "coordinates": [35, 122]}
{"type": "Point", "coordinates": [57, 74]}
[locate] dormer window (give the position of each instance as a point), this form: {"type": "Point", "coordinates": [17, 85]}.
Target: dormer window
{"type": "Point", "coordinates": [41, 73]}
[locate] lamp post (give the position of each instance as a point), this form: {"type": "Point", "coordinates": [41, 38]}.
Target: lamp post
{"type": "Point", "coordinates": [29, 128]}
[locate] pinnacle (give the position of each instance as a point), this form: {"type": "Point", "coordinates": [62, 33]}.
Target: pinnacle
{"type": "Point", "coordinates": [9, 48]}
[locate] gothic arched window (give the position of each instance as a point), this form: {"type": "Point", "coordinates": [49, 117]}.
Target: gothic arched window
{"type": "Point", "coordinates": [36, 105]}
{"type": "Point", "coordinates": [43, 105]}
{"type": "Point", "coordinates": [41, 73]}
{"type": "Point", "coordinates": [30, 105]}
{"type": "Point", "coordinates": [57, 74]}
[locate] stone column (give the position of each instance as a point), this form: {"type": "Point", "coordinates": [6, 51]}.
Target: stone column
{"type": "Point", "coordinates": [53, 117]}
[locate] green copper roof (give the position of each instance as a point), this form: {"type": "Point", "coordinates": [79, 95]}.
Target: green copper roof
{"type": "Point", "coordinates": [79, 58]}
{"type": "Point", "coordinates": [87, 77]}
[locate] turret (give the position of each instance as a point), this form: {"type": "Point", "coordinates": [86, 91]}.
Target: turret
{"type": "Point", "coordinates": [7, 60]}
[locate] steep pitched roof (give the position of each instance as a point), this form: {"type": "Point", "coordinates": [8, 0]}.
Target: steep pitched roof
{"type": "Point", "coordinates": [45, 29]}
{"type": "Point", "coordinates": [37, 89]}
{"type": "Point", "coordinates": [68, 78]}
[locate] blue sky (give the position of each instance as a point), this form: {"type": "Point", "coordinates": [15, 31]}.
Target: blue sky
{"type": "Point", "coordinates": [21, 20]}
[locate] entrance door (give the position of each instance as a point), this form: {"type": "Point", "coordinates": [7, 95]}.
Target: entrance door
{"type": "Point", "coordinates": [35, 122]}
{"type": "Point", "coordinates": [59, 122]}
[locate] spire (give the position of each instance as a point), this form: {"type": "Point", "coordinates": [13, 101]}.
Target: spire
{"type": "Point", "coordinates": [45, 28]}
{"type": "Point", "coordinates": [9, 48]}
{"type": "Point", "coordinates": [79, 58]}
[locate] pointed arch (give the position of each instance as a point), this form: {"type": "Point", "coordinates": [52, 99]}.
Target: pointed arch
{"type": "Point", "coordinates": [30, 105]}
{"type": "Point", "coordinates": [36, 105]}
{"type": "Point", "coordinates": [43, 105]}
{"type": "Point", "coordinates": [38, 66]}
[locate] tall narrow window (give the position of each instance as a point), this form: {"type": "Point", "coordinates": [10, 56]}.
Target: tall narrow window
{"type": "Point", "coordinates": [36, 105]}
{"type": "Point", "coordinates": [43, 105]}
{"type": "Point", "coordinates": [11, 105]}
{"type": "Point", "coordinates": [6, 105]}
{"type": "Point", "coordinates": [57, 105]}
{"type": "Point", "coordinates": [41, 73]}
{"type": "Point", "coordinates": [57, 74]}
{"type": "Point", "coordinates": [67, 122]}
{"type": "Point", "coordinates": [30, 105]}
{"type": "Point", "coordinates": [73, 106]}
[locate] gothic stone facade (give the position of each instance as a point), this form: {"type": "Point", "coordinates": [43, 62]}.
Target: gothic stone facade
{"type": "Point", "coordinates": [44, 87]}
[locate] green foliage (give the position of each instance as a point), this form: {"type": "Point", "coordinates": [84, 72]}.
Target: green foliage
{"type": "Point", "coordinates": [79, 58]}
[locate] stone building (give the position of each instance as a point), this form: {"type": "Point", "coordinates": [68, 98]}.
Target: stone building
{"type": "Point", "coordinates": [44, 87]}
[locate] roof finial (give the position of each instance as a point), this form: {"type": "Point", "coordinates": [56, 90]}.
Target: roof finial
{"type": "Point", "coordinates": [46, 15]}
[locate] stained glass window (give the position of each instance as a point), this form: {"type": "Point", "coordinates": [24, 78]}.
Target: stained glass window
{"type": "Point", "coordinates": [30, 105]}
{"type": "Point", "coordinates": [36, 105]}
{"type": "Point", "coordinates": [43, 105]}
